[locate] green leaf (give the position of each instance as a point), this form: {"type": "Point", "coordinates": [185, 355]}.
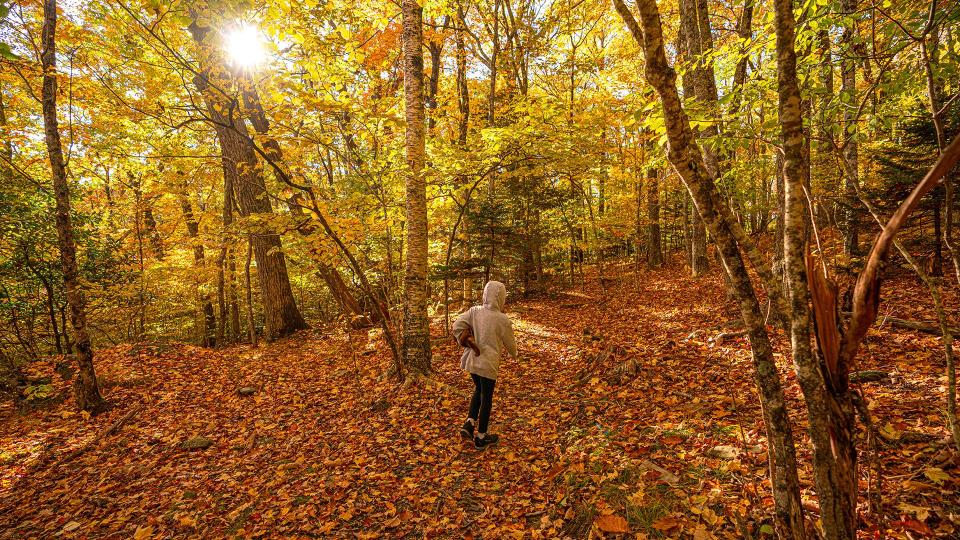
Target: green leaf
{"type": "Point", "coordinates": [6, 53]}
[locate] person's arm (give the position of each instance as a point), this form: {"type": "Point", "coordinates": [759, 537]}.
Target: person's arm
{"type": "Point", "coordinates": [463, 333]}
{"type": "Point", "coordinates": [509, 342]}
{"type": "Point", "coordinates": [461, 325]}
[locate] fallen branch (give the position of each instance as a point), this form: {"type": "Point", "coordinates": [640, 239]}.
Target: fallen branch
{"type": "Point", "coordinates": [919, 326]}
{"type": "Point", "coordinates": [96, 440]}
{"type": "Point", "coordinates": [868, 376]}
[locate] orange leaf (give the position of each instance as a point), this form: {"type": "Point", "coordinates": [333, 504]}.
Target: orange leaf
{"type": "Point", "coordinates": [612, 524]}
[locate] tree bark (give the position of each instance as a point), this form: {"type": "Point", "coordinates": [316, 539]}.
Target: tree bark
{"type": "Point", "coordinates": [695, 20]}
{"type": "Point", "coordinates": [435, 48]}
{"type": "Point", "coordinates": [86, 390]}
{"type": "Point", "coordinates": [829, 409]}
{"type": "Point", "coordinates": [942, 194]}
{"type": "Point", "coordinates": [685, 156]}
{"type": "Point", "coordinates": [416, 324]}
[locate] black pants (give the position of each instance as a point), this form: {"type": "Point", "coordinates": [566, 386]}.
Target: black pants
{"type": "Point", "coordinates": [482, 401]}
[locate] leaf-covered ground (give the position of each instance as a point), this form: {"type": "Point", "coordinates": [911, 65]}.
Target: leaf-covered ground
{"type": "Point", "coordinates": [626, 413]}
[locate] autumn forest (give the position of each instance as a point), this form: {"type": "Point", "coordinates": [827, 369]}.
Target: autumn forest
{"type": "Point", "coordinates": [479, 269]}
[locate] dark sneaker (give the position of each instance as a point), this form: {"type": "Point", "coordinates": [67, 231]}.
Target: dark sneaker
{"type": "Point", "coordinates": [467, 430]}
{"type": "Point", "coordinates": [487, 440]}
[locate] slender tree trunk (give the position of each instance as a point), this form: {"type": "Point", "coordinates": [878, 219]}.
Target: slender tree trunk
{"type": "Point", "coordinates": [435, 48]}
{"type": "Point", "coordinates": [86, 391]}
{"type": "Point", "coordinates": [945, 193]}
{"type": "Point", "coordinates": [830, 409]}
{"type": "Point", "coordinates": [416, 324]}
{"type": "Point", "coordinates": [700, 82]}
{"type": "Point", "coordinates": [744, 32]}
{"type": "Point", "coordinates": [848, 100]}
{"type": "Point", "coordinates": [463, 125]}
{"type": "Point", "coordinates": [209, 336]}
{"type": "Point", "coordinates": [654, 249]}
{"type": "Point", "coordinates": [494, 54]}
{"type": "Point", "coordinates": [688, 161]}
{"type": "Point", "coordinates": [251, 326]}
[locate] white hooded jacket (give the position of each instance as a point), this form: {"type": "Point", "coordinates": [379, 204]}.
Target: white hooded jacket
{"type": "Point", "coordinates": [492, 331]}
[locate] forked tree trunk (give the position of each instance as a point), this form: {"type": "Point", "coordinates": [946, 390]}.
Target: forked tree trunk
{"type": "Point", "coordinates": [829, 406]}
{"type": "Point", "coordinates": [282, 317]}
{"type": "Point", "coordinates": [685, 156]}
{"type": "Point", "coordinates": [86, 391]}
{"type": "Point", "coordinates": [416, 324]}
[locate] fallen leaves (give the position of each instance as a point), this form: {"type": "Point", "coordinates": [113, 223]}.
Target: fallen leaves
{"type": "Point", "coordinates": [325, 448]}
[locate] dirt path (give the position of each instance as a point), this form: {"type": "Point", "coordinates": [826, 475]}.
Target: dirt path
{"type": "Point", "coordinates": [325, 448]}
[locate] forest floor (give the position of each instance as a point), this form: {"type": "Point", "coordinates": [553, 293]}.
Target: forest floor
{"type": "Point", "coordinates": [673, 446]}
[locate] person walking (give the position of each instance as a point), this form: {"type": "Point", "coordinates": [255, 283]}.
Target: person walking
{"type": "Point", "coordinates": [484, 331]}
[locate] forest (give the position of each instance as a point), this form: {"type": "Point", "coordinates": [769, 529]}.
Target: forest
{"type": "Point", "coordinates": [693, 262]}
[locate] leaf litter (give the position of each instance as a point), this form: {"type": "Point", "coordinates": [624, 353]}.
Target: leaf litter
{"type": "Point", "coordinates": [626, 417]}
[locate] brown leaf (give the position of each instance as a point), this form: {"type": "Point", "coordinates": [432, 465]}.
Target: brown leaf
{"type": "Point", "coordinates": [612, 524]}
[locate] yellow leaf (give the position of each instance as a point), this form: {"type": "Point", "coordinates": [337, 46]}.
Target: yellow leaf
{"type": "Point", "coordinates": [143, 533]}
{"type": "Point", "coordinates": [921, 512]}
{"type": "Point", "coordinates": [936, 474]}
{"type": "Point", "coordinates": [890, 433]}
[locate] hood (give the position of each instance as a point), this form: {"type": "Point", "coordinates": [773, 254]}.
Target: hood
{"type": "Point", "coordinates": [494, 295]}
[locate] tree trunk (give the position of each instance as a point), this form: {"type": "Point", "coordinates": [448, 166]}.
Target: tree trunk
{"type": "Point", "coordinates": [209, 336]}
{"type": "Point", "coordinates": [463, 91]}
{"type": "Point", "coordinates": [349, 305]}
{"type": "Point", "coordinates": [848, 100]}
{"type": "Point", "coordinates": [699, 262]}
{"type": "Point", "coordinates": [698, 40]}
{"type": "Point", "coordinates": [435, 48]}
{"type": "Point", "coordinates": [251, 324]}
{"type": "Point", "coordinates": [463, 124]}
{"type": "Point", "coordinates": [416, 324]}
{"type": "Point", "coordinates": [86, 391]}
{"type": "Point", "coordinates": [829, 407]}
{"type": "Point", "coordinates": [744, 32]}
{"type": "Point", "coordinates": [942, 194]}
{"type": "Point", "coordinates": [688, 161]}
{"type": "Point", "coordinates": [282, 317]}
{"type": "Point", "coordinates": [654, 249]}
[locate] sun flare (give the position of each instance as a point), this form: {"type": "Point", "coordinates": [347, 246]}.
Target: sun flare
{"type": "Point", "coordinates": [245, 46]}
